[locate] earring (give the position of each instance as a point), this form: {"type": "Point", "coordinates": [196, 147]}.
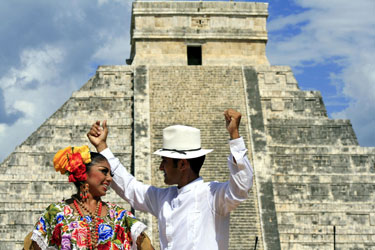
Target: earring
{"type": "Point", "coordinates": [84, 192]}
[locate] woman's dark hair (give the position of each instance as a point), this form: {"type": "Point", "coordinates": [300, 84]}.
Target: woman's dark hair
{"type": "Point", "coordinates": [195, 163]}
{"type": "Point", "coordinates": [95, 158]}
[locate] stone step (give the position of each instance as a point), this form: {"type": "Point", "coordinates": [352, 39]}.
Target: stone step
{"type": "Point", "coordinates": [321, 149]}
{"type": "Point", "coordinates": [331, 179]}
{"type": "Point", "coordinates": [328, 239]}
{"type": "Point", "coordinates": [327, 192]}
{"type": "Point", "coordinates": [82, 104]}
{"type": "Point", "coordinates": [324, 229]}
{"type": "Point", "coordinates": [323, 160]}
{"type": "Point", "coordinates": [323, 164]}
{"type": "Point", "coordinates": [292, 104]}
{"type": "Point", "coordinates": [310, 132]}
{"type": "Point", "coordinates": [314, 207]}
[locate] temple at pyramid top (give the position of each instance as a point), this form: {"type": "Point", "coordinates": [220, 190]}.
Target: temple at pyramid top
{"type": "Point", "coordinates": [198, 33]}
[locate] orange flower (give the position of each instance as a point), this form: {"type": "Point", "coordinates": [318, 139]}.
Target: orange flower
{"type": "Point", "coordinates": [73, 160]}
{"type": "Point", "coordinates": [60, 160]}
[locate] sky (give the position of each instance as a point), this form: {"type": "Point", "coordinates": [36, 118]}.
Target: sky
{"type": "Point", "coordinates": [51, 48]}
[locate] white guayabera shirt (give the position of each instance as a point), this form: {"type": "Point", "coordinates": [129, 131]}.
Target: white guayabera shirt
{"type": "Point", "coordinates": [195, 216]}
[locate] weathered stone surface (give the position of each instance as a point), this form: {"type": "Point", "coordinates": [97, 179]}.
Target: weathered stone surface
{"type": "Point", "coordinates": [321, 178]}
{"type": "Point", "coordinates": [229, 33]}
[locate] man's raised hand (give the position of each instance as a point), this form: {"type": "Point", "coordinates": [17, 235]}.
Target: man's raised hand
{"type": "Point", "coordinates": [232, 118]}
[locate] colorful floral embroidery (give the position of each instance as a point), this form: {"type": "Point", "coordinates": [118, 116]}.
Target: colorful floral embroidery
{"type": "Point", "coordinates": [88, 219]}
{"type": "Point", "coordinates": [41, 226]}
{"type": "Point", "coordinates": [80, 236]}
{"type": "Point", "coordinates": [130, 214]}
{"type": "Point", "coordinates": [106, 246]}
{"type": "Point", "coordinates": [67, 210]}
{"type": "Point", "coordinates": [56, 235]}
{"type": "Point", "coordinates": [120, 233]}
{"type": "Point", "coordinates": [121, 215]}
{"type": "Point", "coordinates": [67, 231]}
{"type": "Point", "coordinates": [105, 232]}
{"type": "Point", "coordinates": [65, 228]}
{"type": "Point", "coordinates": [65, 242]}
{"type": "Point", "coordinates": [59, 217]}
{"type": "Point", "coordinates": [112, 213]}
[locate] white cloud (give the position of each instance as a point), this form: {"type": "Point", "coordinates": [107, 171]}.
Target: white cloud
{"type": "Point", "coordinates": [38, 67]}
{"type": "Point", "coordinates": [285, 21]}
{"type": "Point", "coordinates": [34, 90]}
{"type": "Point", "coordinates": [25, 107]}
{"type": "Point", "coordinates": [335, 31]}
{"type": "Point", "coordinates": [115, 49]}
{"type": "Point", "coordinates": [71, 11]}
{"type": "Point", "coordinates": [2, 128]}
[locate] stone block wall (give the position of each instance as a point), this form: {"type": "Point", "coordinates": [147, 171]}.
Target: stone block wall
{"type": "Point", "coordinates": [230, 33]}
{"type": "Point", "coordinates": [320, 177]}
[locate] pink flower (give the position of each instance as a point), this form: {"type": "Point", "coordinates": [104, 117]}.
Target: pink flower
{"type": "Point", "coordinates": [67, 210]}
{"type": "Point", "coordinates": [80, 235]}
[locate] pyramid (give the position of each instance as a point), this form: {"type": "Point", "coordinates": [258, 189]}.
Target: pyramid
{"type": "Point", "coordinates": [314, 186]}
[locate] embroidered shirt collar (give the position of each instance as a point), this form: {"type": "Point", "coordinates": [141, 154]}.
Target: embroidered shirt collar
{"type": "Point", "coordinates": [189, 186]}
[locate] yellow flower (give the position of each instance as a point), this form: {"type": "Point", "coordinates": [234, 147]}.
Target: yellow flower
{"type": "Point", "coordinates": [85, 153]}
{"type": "Point", "coordinates": [82, 223]}
{"type": "Point", "coordinates": [60, 160]}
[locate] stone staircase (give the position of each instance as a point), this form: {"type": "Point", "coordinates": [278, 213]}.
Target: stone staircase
{"type": "Point", "coordinates": [197, 96]}
{"type": "Point", "coordinates": [28, 181]}
{"type": "Point", "coordinates": [321, 178]}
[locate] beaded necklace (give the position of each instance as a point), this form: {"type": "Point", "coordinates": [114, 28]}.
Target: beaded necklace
{"type": "Point", "coordinates": [93, 226]}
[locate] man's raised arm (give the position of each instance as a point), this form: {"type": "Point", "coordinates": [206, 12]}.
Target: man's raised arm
{"type": "Point", "coordinates": [230, 194]}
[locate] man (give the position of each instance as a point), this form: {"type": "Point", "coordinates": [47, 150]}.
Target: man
{"type": "Point", "coordinates": [194, 214]}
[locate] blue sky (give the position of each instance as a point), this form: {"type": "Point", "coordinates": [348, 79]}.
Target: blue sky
{"type": "Point", "coordinates": [51, 48]}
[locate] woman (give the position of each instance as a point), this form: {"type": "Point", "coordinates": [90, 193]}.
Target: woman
{"type": "Point", "coordinates": [85, 221]}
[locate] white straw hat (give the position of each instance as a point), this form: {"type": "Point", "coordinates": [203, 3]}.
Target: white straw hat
{"type": "Point", "coordinates": [182, 142]}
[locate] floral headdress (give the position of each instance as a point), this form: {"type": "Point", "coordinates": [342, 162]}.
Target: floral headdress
{"type": "Point", "coordinates": [71, 161]}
